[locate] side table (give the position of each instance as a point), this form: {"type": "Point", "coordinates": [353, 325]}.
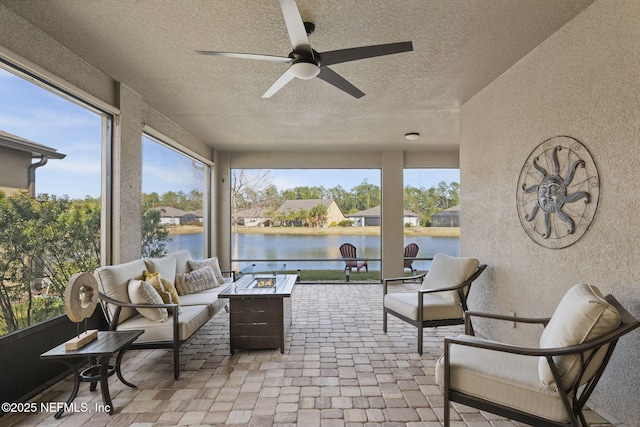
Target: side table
{"type": "Point", "coordinates": [99, 353]}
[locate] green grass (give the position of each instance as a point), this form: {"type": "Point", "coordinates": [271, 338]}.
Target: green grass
{"type": "Point", "coordinates": [338, 276]}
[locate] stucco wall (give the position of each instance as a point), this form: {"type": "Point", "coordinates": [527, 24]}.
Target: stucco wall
{"type": "Point", "coordinates": [15, 168]}
{"type": "Point", "coordinates": [584, 82]}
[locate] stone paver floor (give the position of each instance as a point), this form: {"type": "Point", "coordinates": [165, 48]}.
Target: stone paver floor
{"type": "Point", "coordinates": [338, 369]}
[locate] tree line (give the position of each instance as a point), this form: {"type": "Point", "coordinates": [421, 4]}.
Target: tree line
{"type": "Point", "coordinates": [44, 241]}
{"type": "Point", "coordinates": [253, 189]}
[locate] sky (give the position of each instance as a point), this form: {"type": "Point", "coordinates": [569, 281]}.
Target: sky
{"type": "Point", "coordinates": [34, 113]}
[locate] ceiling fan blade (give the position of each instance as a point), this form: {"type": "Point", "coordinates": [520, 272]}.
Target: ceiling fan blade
{"type": "Point", "coordinates": [331, 77]}
{"type": "Point", "coordinates": [345, 55]}
{"type": "Point", "coordinates": [295, 27]}
{"type": "Point", "coordinates": [285, 78]}
{"type": "Point", "coordinates": [271, 58]}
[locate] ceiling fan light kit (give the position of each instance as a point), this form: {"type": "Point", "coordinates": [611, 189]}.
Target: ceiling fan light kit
{"type": "Point", "coordinates": [306, 63]}
{"type": "Point", "coordinates": [305, 70]}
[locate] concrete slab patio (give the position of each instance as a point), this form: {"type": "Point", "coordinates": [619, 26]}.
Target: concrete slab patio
{"type": "Point", "coordinates": [339, 369]}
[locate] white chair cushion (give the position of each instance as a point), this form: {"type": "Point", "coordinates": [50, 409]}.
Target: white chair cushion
{"type": "Point", "coordinates": [435, 307]}
{"type": "Point", "coordinates": [583, 314]}
{"type": "Point", "coordinates": [504, 378]}
{"type": "Point", "coordinates": [448, 271]}
{"type": "Point", "coordinates": [141, 292]}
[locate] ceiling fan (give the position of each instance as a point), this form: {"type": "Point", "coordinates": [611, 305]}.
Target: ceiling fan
{"type": "Point", "coordinates": [306, 63]}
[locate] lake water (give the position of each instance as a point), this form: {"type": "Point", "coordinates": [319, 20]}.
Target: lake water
{"type": "Point", "coordinates": [291, 246]}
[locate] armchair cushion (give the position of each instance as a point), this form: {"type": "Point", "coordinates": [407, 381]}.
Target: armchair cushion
{"type": "Point", "coordinates": [505, 378]}
{"type": "Point", "coordinates": [448, 271]}
{"type": "Point", "coordinates": [581, 315]}
{"type": "Point", "coordinates": [435, 307]}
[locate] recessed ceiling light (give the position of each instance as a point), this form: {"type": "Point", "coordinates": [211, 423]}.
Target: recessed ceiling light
{"type": "Point", "coordinates": [411, 136]}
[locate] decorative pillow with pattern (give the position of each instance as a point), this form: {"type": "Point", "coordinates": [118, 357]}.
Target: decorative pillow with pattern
{"type": "Point", "coordinates": [141, 292]}
{"type": "Point", "coordinates": [167, 291]}
{"type": "Point", "coordinates": [196, 281]}
{"type": "Point", "coordinates": [213, 262]}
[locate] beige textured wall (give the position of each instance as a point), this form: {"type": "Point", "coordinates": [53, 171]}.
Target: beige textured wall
{"type": "Point", "coordinates": [584, 82]}
{"type": "Point", "coordinates": [15, 168]}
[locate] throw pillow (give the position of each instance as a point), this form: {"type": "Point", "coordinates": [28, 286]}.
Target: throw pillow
{"type": "Point", "coordinates": [213, 262]}
{"type": "Point", "coordinates": [141, 292]}
{"type": "Point", "coordinates": [166, 266]}
{"type": "Point", "coordinates": [165, 288]}
{"type": "Point", "coordinates": [582, 314]}
{"type": "Point", "coordinates": [196, 281]}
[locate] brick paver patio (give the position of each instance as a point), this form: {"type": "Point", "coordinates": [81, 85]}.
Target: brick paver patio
{"type": "Point", "coordinates": [339, 369]}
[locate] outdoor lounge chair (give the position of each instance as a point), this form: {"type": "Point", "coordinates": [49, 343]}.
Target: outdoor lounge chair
{"type": "Point", "coordinates": [410, 252]}
{"type": "Point", "coordinates": [546, 385]}
{"type": "Point", "coordinates": [442, 299]}
{"type": "Point", "coordinates": [348, 251]}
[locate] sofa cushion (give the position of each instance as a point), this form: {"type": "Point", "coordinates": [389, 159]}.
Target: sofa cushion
{"type": "Point", "coordinates": [196, 281]}
{"type": "Point", "coordinates": [213, 262]}
{"type": "Point", "coordinates": [582, 314]}
{"type": "Point", "coordinates": [167, 291]}
{"type": "Point", "coordinates": [446, 271]}
{"type": "Point", "coordinates": [190, 319]}
{"type": "Point", "coordinates": [114, 282]}
{"type": "Point", "coordinates": [207, 297]}
{"type": "Point", "coordinates": [182, 257]}
{"type": "Point", "coordinates": [141, 292]}
{"type": "Point", "coordinates": [166, 266]}
{"type": "Point", "coordinates": [511, 378]}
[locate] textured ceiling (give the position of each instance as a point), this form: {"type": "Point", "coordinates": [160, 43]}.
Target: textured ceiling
{"type": "Point", "coordinates": [460, 46]}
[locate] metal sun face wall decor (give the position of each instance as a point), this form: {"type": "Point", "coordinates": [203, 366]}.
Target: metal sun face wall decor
{"type": "Point", "coordinates": [558, 192]}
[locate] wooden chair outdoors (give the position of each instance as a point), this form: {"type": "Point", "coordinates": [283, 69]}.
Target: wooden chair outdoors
{"type": "Point", "coordinates": [410, 252]}
{"type": "Point", "coordinates": [442, 299]}
{"type": "Point", "coordinates": [348, 251]}
{"type": "Point", "coordinates": [544, 385]}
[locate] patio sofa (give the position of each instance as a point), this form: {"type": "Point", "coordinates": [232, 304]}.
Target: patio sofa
{"type": "Point", "coordinates": [169, 297]}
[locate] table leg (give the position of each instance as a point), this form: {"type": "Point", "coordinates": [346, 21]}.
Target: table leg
{"type": "Point", "coordinates": [104, 383]}
{"type": "Point", "coordinates": [92, 384]}
{"type": "Point", "coordinates": [76, 387]}
{"type": "Point", "coordinates": [119, 373]}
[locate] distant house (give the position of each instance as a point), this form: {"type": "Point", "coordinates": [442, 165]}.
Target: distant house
{"type": "Point", "coordinates": [371, 216]}
{"type": "Point", "coordinates": [175, 217]}
{"type": "Point", "coordinates": [446, 218]}
{"type": "Point", "coordinates": [16, 162]}
{"type": "Point", "coordinates": [334, 213]}
{"type": "Point", "coordinates": [251, 217]}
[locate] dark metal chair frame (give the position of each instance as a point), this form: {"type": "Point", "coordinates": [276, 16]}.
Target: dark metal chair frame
{"type": "Point", "coordinates": [462, 289]}
{"type": "Point", "coordinates": [573, 399]}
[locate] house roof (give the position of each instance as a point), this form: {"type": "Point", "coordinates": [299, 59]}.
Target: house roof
{"type": "Point", "coordinates": [307, 204]}
{"type": "Point", "coordinates": [454, 210]}
{"type": "Point", "coordinates": [169, 212]}
{"type": "Point", "coordinates": [17, 143]}
{"type": "Point", "coordinates": [459, 47]}
{"type": "Point", "coordinates": [375, 212]}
